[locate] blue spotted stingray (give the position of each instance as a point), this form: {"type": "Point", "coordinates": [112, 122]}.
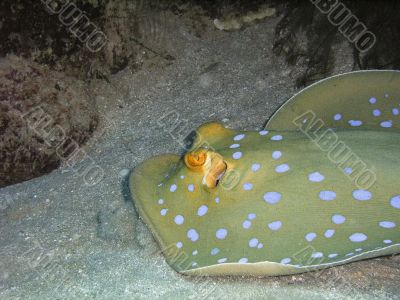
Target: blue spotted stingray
{"type": "Point", "coordinates": [319, 186]}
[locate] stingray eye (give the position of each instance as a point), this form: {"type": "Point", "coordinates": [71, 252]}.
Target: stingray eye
{"type": "Point", "coordinates": [195, 160]}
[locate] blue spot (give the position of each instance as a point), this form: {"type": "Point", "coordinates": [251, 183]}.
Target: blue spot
{"type": "Point", "coordinates": [355, 123]}
{"type": "Point", "coordinates": [395, 202]}
{"type": "Point", "coordinates": [282, 168]}
{"type": "Point", "coordinates": [179, 219]}
{"type": "Point", "coordinates": [348, 170]}
{"type": "Point", "coordinates": [272, 197]}
{"type": "Point", "coordinates": [222, 260]}
{"type": "Point", "coordinates": [327, 195]}
{"type": "Point", "coordinates": [362, 195]}
{"type": "Point", "coordinates": [286, 261]}
{"type": "Point", "coordinates": [202, 210]}
{"type": "Point", "coordinates": [338, 219]}
{"type": "Point", "coordinates": [317, 255]}
{"type": "Point", "coordinates": [253, 243]}
{"type": "Point", "coordinates": [387, 224]}
{"type": "Point", "coordinates": [386, 124]}
{"type": "Point", "coordinates": [277, 138]}
{"type": "Point", "coordinates": [276, 154]}
{"type": "Point", "coordinates": [310, 236]}
{"type": "Point", "coordinates": [214, 251]}
{"type": "Point", "coordinates": [247, 186]}
{"type": "Point", "coordinates": [337, 117]}
{"type": "Point", "coordinates": [192, 235]}
{"type": "Point", "coordinates": [246, 224]}
{"type": "Point", "coordinates": [243, 260]}
{"type": "Point", "coordinates": [276, 225]}
{"type": "Point", "coordinates": [234, 146]}
{"type": "Point", "coordinates": [358, 237]}
{"type": "Point", "coordinates": [255, 167]}
{"type": "Point", "coordinates": [251, 216]}
{"type": "Point", "coordinates": [221, 233]}
{"type": "Point", "coordinates": [376, 112]}
{"type": "Point", "coordinates": [239, 137]}
{"type": "Point", "coordinates": [329, 233]}
{"type": "Point", "coordinates": [316, 177]}
{"type": "Point", "coordinates": [237, 155]}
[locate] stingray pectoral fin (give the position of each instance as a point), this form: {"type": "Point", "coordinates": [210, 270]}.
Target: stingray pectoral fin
{"type": "Point", "coordinates": [141, 185]}
{"type": "Point", "coordinates": [145, 177]}
{"type": "Point", "coordinates": [365, 100]}
{"type": "Point", "coordinates": [264, 268]}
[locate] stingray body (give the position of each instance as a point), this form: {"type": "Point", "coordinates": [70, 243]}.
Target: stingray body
{"type": "Point", "coordinates": [318, 187]}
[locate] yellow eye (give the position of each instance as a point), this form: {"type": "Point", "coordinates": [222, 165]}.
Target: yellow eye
{"type": "Point", "coordinates": [195, 160]}
{"type": "Point", "coordinates": [210, 163]}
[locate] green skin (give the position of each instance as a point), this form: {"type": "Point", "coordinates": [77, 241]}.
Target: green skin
{"type": "Point", "coordinates": [300, 208]}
